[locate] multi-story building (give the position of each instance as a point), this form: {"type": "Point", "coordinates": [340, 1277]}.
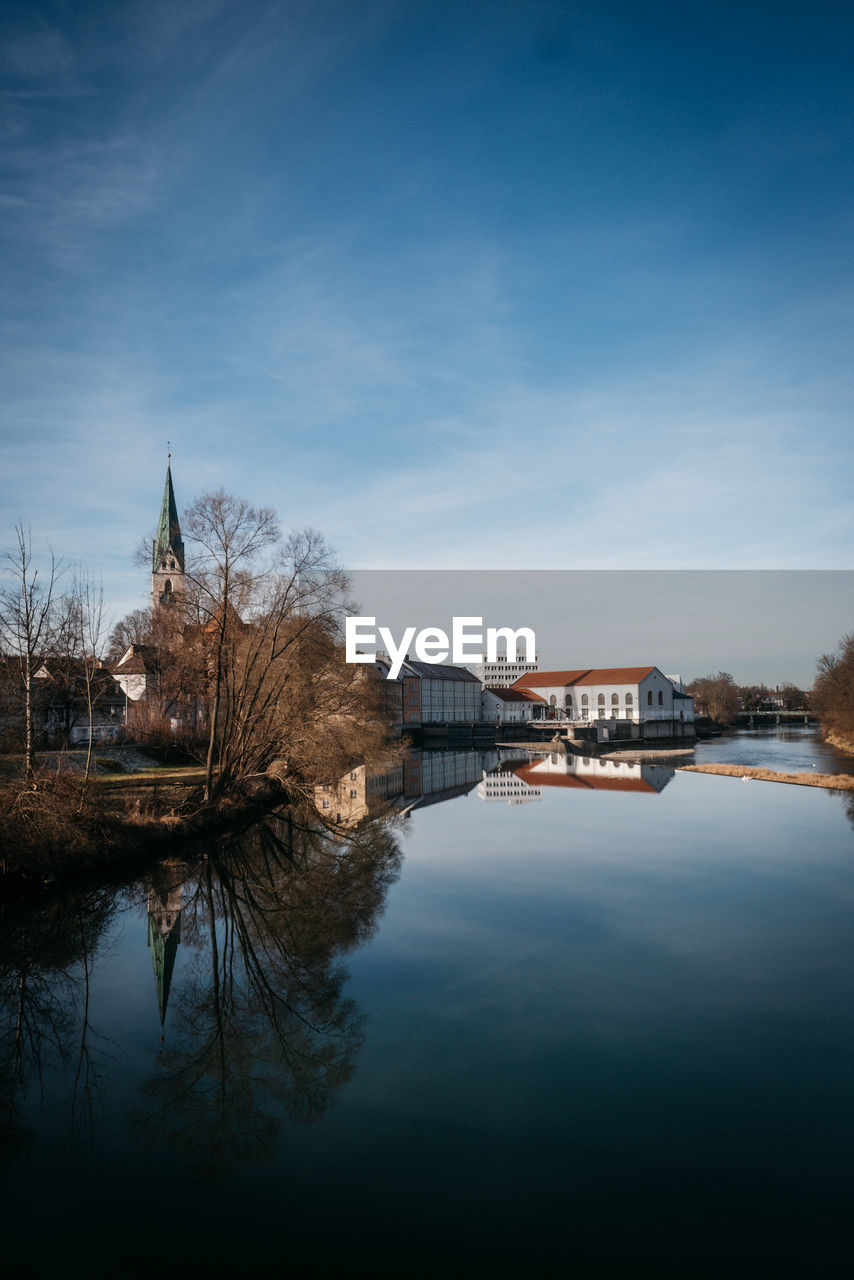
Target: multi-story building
{"type": "Point", "coordinates": [447, 694]}
{"type": "Point", "coordinates": [503, 672]}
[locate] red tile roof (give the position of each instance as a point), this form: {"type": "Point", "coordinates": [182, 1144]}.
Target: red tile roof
{"type": "Point", "coordinates": [513, 694]}
{"type": "Point", "coordinates": [616, 675]}
{"type": "Point", "coordinates": [537, 679]}
{"type": "Point", "coordinates": [595, 675]}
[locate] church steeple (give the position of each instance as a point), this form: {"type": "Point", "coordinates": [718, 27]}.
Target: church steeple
{"type": "Point", "coordinates": [167, 557]}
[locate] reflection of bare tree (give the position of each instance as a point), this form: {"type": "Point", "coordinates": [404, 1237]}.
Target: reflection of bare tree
{"type": "Point", "coordinates": [87, 1076]}
{"type": "Point", "coordinates": [847, 803]}
{"type": "Point", "coordinates": [45, 965]}
{"type": "Point", "coordinates": [261, 1015]}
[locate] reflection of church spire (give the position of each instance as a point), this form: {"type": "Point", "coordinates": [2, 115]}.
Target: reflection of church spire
{"type": "Point", "coordinates": [164, 934]}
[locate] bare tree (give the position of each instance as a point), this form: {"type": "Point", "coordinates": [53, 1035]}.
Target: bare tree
{"type": "Point", "coordinates": [88, 612]}
{"type": "Point", "coordinates": [832, 696]}
{"type": "Point", "coordinates": [266, 641]}
{"type": "Point", "coordinates": [230, 535]}
{"type": "Point", "coordinates": [26, 618]}
{"type": "Point", "coordinates": [717, 695]}
{"type": "Point", "coordinates": [135, 627]}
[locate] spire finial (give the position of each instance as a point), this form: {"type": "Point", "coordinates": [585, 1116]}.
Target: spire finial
{"type": "Point", "coordinates": [169, 451]}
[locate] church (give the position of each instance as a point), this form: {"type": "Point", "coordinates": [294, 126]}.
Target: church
{"type": "Point", "coordinates": [137, 672]}
{"type": "Point", "coordinates": [167, 558]}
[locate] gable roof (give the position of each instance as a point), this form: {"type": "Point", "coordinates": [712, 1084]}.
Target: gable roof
{"type": "Point", "coordinates": [513, 694]}
{"type": "Point", "coordinates": [540, 679]}
{"type": "Point", "coordinates": [589, 675]}
{"type": "Point", "coordinates": [139, 659]}
{"type": "Point", "coordinates": [434, 671]}
{"type": "Point", "coordinates": [616, 675]}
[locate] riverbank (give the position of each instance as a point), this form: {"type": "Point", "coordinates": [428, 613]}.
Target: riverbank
{"type": "Point", "coordinates": [829, 781]}
{"type": "Point", "coordinates": [60, 833]}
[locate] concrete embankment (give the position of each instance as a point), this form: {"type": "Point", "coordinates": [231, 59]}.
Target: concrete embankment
{"type": "Point", "coordinates": [830, 781]}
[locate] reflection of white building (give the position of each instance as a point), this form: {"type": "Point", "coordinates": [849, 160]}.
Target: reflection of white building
{"type": "Point", "coordinates": [505, 784]}
{"type": "Point", "coordinates": [501, 673]}
{"type": "Point", "coordinates": [591, 773]}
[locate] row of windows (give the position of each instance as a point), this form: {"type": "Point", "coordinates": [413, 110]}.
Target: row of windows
{"type": "Point", "coordinates": [615, 700]}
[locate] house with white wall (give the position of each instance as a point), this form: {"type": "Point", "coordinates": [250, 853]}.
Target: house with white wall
{"type": "Point", "coordinates": [509, 706]}
{"type": "Point", "coordinates": [626, 699]}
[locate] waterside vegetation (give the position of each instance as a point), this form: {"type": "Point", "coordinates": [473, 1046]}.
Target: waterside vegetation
{"type": "Point", "coordinates": [251, 686]}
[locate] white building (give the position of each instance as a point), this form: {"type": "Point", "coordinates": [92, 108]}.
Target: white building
{"type": "Point", "coordinates": [509, 706]}
{"type": "Point", "coordinates": [501, 673]}
{"type": "Point", "coordinates": [136, 671]}
{"type": "Point", "coordinates": [631, 694]}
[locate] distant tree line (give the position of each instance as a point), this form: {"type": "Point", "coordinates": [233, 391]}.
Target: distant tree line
{"type": "Point", "coordinates": [721, 699]}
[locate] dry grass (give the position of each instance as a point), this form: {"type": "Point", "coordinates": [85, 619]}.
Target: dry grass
{"type": "Point", "coordinates": [830, 781]}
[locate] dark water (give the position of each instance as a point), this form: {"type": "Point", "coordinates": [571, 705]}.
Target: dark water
{"type": "Point", "coordinates": [608, 1021]}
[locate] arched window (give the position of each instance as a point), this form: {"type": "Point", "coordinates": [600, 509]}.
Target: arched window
{"type": "Point", "coordinates": [584, 699]}
{"type": "Point", "coordinates": [649, 698]}
{"type": "Point", "coordinates": [660, 698]}
{"type": "Point", "coordinates": [167, 590]}
{"type": "Point", "coordinates": [615, 700]}
{"type": "Point", "coordinates": [553, 701]}
{"type": "Point", "coordinates": [629, 699]}
{"type": "Point", "coordinates": [601, 699]}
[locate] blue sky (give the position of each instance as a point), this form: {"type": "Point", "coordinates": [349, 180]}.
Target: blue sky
{"type": "Point", "coordinates": [482, 285]}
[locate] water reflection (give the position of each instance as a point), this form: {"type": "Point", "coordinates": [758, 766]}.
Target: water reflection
{"type": "Point", "coordinates": [530, 774]}
{"type": "Point", "coordinates": [261, 1028]}
{"type": "Point", "coordinates": [512, 776]}
{"type": "Point", "coordinates": [258, 1029]}
{"type": "Point", "coordinates": [164, 929]}
{"type": "Point", "coordinates": [421, 778]}
{"type": "Point", "coordinates": [46, 964]}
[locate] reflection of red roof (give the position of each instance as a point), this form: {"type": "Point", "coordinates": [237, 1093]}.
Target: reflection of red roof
{"type": "Point", "coordinates": [594, 782]}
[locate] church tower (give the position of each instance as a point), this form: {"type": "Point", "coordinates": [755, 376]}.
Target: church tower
{"type": "Point", "coordinates": [167, 564]}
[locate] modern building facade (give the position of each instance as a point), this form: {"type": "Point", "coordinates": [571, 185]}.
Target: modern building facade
{"type": "Point", "coordinates": [503, 672]}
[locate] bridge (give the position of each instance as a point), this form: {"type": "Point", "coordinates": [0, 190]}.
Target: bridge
{"type": "Point", "coordinates": [760, 719]}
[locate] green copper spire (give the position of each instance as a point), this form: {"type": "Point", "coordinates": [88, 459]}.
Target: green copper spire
{"type": "Point", "coordinates": [164, 948]}
{"type": "Point", "coordinates": [168, 528]}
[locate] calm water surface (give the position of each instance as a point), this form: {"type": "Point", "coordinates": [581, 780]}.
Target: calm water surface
{"type": "Point", "coordinates": [789, 748]}
{"type": "Point", "coordinates": [591, 1014]}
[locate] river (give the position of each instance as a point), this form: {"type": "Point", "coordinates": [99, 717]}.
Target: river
{"type": "Point", "coordinates": [549, 1011]}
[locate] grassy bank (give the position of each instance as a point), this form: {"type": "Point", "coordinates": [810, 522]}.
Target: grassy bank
{"type": "Point", "coordinates": [57, 832]}
{"type": "Point", "coordinates": [830, 781]}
